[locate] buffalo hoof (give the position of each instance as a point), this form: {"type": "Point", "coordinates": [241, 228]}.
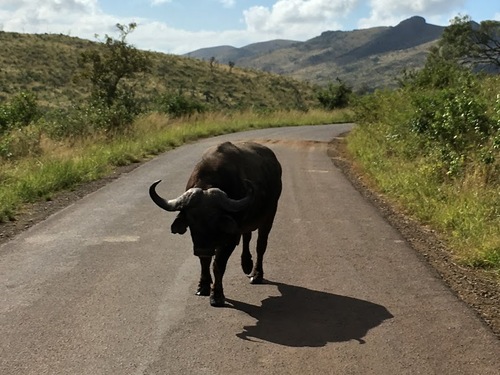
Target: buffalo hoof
{"type": "Point", "coordinates": [217, 301]}
{"type": "Point", "coordinates": [258, 279]}
{"type": "Point", "coordinates": [203, 290]}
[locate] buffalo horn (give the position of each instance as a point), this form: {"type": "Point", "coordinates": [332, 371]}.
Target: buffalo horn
{"type": "Point", "coordinates": [232, 205]}
{"type": "Point", "coordinates": [176, 204]}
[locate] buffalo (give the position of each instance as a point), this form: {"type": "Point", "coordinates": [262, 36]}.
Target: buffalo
{"type": "Point", "coordinates": [233, 191]}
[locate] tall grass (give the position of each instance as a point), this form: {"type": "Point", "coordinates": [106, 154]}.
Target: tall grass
{"type": "Point", "coordinates": [63, 165]}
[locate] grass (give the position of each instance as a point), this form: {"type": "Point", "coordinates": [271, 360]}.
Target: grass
{"type": "Point", "coordinates": [63, 166]}
{"type": "Point", "coordinates": [465, 211]}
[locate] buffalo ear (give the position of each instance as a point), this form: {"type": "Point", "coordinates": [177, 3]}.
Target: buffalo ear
{"type": "Point", "coordinates": [228, 225]}
{"type": "Point", "coordinates": [179, 226]}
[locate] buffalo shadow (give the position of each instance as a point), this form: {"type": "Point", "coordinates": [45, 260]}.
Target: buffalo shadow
{"type": "Point", "coordinates": [302, 317]}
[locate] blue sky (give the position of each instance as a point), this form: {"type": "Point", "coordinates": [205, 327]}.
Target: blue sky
{"type": "Point", "coordinates": [181, 26]}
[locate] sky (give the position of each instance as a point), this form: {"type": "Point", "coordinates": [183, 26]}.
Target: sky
{"type": "Point", "coordinates": [182, 26]}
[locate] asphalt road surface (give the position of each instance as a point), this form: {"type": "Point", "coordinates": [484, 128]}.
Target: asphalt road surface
{"type": "Point", "coordinates": [102, 287]}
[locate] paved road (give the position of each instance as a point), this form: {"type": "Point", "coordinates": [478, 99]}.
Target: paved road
{"type": "Point", "coordinates": [102, 287]}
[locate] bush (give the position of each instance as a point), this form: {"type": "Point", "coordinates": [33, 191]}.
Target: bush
{"type": "Point", "coordinates": [335, 96]}
{"type": "Point", "coordinates": [89, 119]}
{"type": "Point", "coordinates": [177, 105]}
{"type": "Point", "coordinates": [454, 121]}
{"type": "Point", "coordinates": [19, 112]}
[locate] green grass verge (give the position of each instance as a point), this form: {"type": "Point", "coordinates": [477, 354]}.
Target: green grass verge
{"type": "Point", "coordinates": [465, 211]}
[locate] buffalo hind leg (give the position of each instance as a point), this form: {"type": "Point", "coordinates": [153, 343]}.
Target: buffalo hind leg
{"type": "Point", "coordinates": [257, 275]}
{"type": "Point", "coordinates": [246, 256]}
{"type": "Point", "coordinates": [222, 255]}
{"type": "Point", "coordinates": [205, 279]}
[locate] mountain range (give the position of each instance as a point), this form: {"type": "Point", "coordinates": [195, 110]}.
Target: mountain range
{"type": "Point", "coordinates": [365, 59]}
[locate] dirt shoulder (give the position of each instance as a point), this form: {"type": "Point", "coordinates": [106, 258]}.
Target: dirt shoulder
{"type": "Point", "coordinates": [475, 287]}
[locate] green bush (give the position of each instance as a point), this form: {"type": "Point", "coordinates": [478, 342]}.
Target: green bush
{"type": "Point", "coordinates": [178, 105]}
{"type": "Point", "coordinates": [81, 121]}
{"type": "Point", "coordinates": [455, 122]}
{"type": "Point", "coordinates": [19, 112]}
{"type": "Point", "coordinates": [335, 96]}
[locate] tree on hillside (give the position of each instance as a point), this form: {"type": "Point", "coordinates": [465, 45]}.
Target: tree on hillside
{"type": "Point", "coordinates": [470, 43]}
{"type": "Point", "coordinates": [109, 71]}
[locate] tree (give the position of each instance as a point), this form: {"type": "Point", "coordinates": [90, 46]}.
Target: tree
{"type": "Point", "coordinates": [470, 43]}
{"type": "Point", "coordinates": [212, 63]}
{"type": "Point", "coordinates": [109, 71]}
{"type": "Point", "coordinates": [335, 96]}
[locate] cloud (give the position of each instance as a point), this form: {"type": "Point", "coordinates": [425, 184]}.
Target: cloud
{"type": "Point", "coordinates": [55, 16]}
{"type": "Point", "coordinates": [297, 18]}
{"type": "Point", "coordinates": [177, 41]}
{"type": "Point", "coordinates": [390, 12]}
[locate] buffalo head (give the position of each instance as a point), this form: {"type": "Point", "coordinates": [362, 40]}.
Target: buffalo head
{"type": "Point", "coordinates": [207, 214]}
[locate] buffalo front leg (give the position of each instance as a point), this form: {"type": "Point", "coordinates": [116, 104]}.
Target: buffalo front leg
{"type": "Point", "coordinates": [205, 278]}
{"type": "Point", "coordinates": [222, 255]}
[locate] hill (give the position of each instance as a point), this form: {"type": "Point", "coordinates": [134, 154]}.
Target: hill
{"type": "Point", "coordinates": [366, 58]}
{"type": "Point", "coordinates": [47, 64]}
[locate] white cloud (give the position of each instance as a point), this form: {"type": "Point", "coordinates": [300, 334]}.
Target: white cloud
{"type": "Point", "coordinates": [297, 18]}
{"type": "Point", "coordinates": [54, 16]}
{"type": "Point", "coordinates": [149, 37]}
{"type": "Point", "coordinates": [390, 12]}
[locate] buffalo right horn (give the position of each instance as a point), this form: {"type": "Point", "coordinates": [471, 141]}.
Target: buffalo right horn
{"type": "Point", "coordinates": [176, 204]}
{"type": "Point", "coordinates": [233, 205]}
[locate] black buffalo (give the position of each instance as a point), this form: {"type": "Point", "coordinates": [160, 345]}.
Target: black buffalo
{"type": "Point", "coordinates": [232, 191]}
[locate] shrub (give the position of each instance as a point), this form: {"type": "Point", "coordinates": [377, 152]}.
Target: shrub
{"type": "Point", "coordinates": [335, 96]}
{"type": "Point", "coordinates": [454, 121]}
{"type": "Point", "coordinates": [19, 112]}
{"type": "Point", "coordinates": [178, 105]}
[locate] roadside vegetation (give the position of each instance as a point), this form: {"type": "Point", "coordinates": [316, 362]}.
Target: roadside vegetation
{"type": "Point", "coordinates": [119, 115]}
{"type": "Point", "coordinates": [433, 145]}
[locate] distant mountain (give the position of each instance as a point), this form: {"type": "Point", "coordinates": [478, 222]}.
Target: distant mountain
{"type": "Point", "coordinates": [226, 54]}
{"type": "Point", "coordinates": [366, 58]}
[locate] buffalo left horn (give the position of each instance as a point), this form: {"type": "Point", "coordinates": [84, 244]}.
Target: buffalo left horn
{"type": "Point", "coordinates": [176, 204]}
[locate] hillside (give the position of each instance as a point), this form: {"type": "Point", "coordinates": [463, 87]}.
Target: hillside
{"type": "Point", "coordinates": [47, 64]}
{"type": "Point", "coordinates": [366, 58]}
